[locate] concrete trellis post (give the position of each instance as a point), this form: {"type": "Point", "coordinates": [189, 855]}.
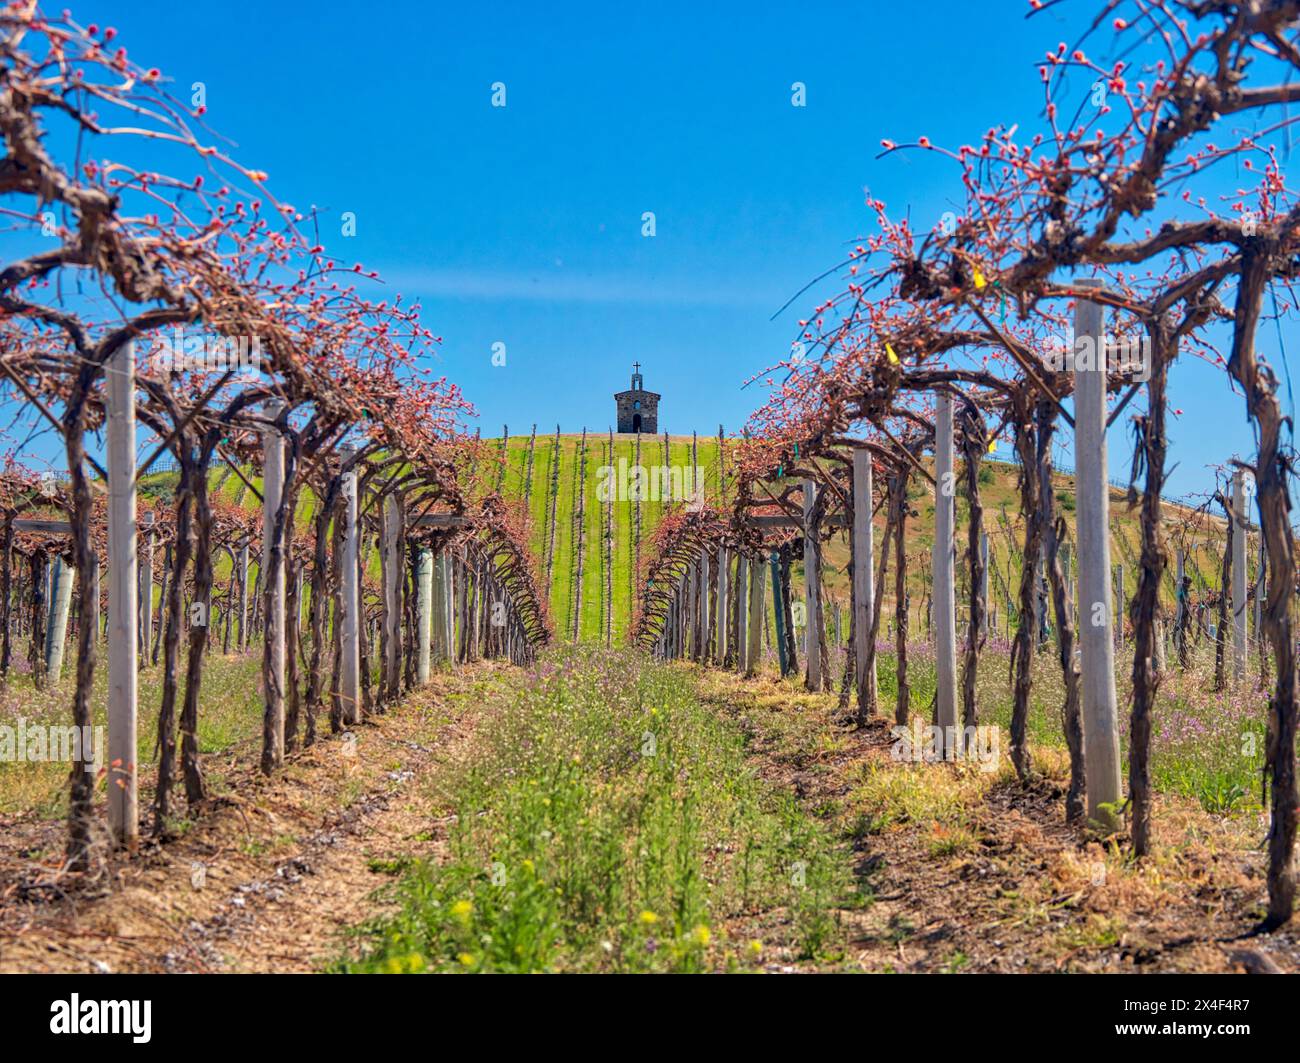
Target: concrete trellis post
{"type": "Point", "coordinates": [674, 627]}
{"type": "Point", "coordinates": [742, 612]}
{"type": "Point", "coordinates": [1092, 524]}
{"type": "Point", "coordinates": [1067, 572]}
{"type": "Point", "coordinates": [686, 614]}
{"type": "Point", "coordinates": [243, 591]}
{"type": "Point", "coordinates": [720, 650]}
{"type": "Point", "coordinates": [146, 587]}
{"type": "Point", "coordinates": [864, 578]}
{"type": "Point", "coordinates": [757, 621]}
{"type": "Point", "coordinates": [425, 602]}
{"type": "Point", "coordinates": [392, 532]}
{"type": "Point", "coordinates": [350, 595]}
{"type": "Point", "coordinates": [706, 610]}
{"type": "Point", "coordinates": [462, 607]}
{"type": "Point", "coordinates": [438, 642]}
{"type": "Point", "coordinates": [1120, 606]}
{"type": "Point", "coordinates": [1261, 588]}
{"type": "Point", "coordinates": [1239, 528]}
{"type": "Point", "coordinates": [96, 581]}
{"type": "Point", "coordinates": [478, 607]}
{"type": "Point", "coordinates": [778, 610]}
{"type": "Point", "coordinates": [944, 598]}
{"type": "Point", "coordinates": [272, 492]}
{"type": "Point", "coordinates": [1180, 601]}
{"type": "Point", "coordinates": [448, 604]}
{"type": "Point", "coordinates": [812, 588]}
{"type": "Point", "coordinates": [56, 622]}
{"type": "Point", "coordinates": [702, 607]}
{"type": "Point", "coordinates": [123, 602]}
{"type": "Point", "coordinates": [688, 610]}
{"type": "Point", "coordinates": [1040, 603]}
{"type": "Point", "coordinates": [691, 614]}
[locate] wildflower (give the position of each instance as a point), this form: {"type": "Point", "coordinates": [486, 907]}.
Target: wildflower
{"type": "Point", "coordinates": [461, 911]}
{"type": "Point", "coordinates": [466, 959]}
{"type": "Point", "coordinates": [648, 918]}
{"type": "Point", "coordinates": [700, 935]}
{"type": "Point", "coordinates": [755, 948]}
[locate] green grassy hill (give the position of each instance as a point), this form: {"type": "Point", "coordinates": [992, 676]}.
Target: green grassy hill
{"type": "Point", "coordinates": [609, 535]}
{"type": "Point", "coordinates": [590, 549]}
{"type": "Point", "coordinates": [1201, 537]}
{"type": "Point", "coordinates": [574, 532]}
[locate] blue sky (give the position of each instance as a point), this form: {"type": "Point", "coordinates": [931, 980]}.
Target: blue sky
{"type": "Point", "coordinates": [522, 225]}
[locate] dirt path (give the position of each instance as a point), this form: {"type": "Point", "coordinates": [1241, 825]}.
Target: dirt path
{"type": "Point", "coordinates": [269, 878]}
{"type": "Point", "coordinates": [973, 872]}
{"type": "Point", "coordinates": [967, 871]}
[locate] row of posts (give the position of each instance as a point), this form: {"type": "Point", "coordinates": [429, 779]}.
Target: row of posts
{"type": "Point", "coordinates": [686, 632]}
{"type": "Point", "coordinates": [444, 608]}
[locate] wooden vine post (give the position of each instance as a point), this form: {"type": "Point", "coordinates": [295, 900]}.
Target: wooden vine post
{"type": "Point", "coordinates": [1091, 532]}
{"type": "Point", "coordinates": [984, 582]}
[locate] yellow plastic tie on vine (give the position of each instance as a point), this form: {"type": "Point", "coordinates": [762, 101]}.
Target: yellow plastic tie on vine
{"type": "Point", "coordinates": [893, 358]}
{"type": "Point", "coordinates": [979, 279]}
